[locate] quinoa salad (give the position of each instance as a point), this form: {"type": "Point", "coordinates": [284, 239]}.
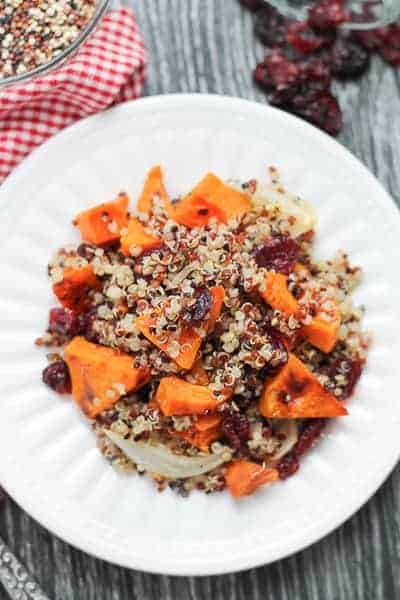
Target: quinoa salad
{"type": "Point", "coordinates": [200, 337]}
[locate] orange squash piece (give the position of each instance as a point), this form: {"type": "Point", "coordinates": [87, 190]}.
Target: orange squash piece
{"type": "Point", "coordinates": [154, 186]}
{"type": "Point", "coordinates": [138, 235]}
{"type": "Point", "coordinates": [296, 393]}
{"type": "Point", "coordinates": [206, 430]}
{"type": "Point", "coordinates": [72, 290]}
{"type": "Point", "coordinates": [101, 225]}
{"type": "Point", "coordinates": [211, 198]}
{"type": "Point", "coordinates": [323, 332]}
{"type": "Point", "coordinates": [100, 375]}
{"type": "Point", "coordinates": [190, 341]}
{"type": "Point", "coordinates": [276, 293]}
{"type": "Point", "coordinates": [243, 477]}
{"type": "Point", "coordinates": [178, 397]}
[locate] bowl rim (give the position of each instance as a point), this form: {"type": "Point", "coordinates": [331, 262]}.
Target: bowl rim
{"type": "Point", "coordinates": [43, 69]}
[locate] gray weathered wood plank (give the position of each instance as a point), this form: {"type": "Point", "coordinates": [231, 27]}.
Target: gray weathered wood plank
{"type": "Point", "coordinates": [208, 46]}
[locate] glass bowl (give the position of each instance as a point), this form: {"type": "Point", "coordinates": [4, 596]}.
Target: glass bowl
{"type": "Point", "coordinates": [66, 54]}
{"type": "Point", "coordinates": [380, 12]}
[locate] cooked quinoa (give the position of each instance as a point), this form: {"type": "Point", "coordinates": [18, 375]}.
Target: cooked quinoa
{"type": "Point", "coordinates": [242, 350]}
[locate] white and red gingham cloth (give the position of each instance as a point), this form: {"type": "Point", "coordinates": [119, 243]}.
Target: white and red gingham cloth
{"type": "Point", "coordinates": [109, 68]}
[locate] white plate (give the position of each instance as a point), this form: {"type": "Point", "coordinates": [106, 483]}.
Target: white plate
{"type": "Point", "coordinates": [48, 458]}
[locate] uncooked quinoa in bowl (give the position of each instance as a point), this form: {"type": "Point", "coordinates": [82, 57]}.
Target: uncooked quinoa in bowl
{"type": "Point", "coordinates": [38, 35]}
{"type": "Point", "coordinates": [199, 335]}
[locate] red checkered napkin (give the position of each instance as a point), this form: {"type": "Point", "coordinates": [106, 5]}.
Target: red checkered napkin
{"type": "Point", "coordinates": [108, 69]}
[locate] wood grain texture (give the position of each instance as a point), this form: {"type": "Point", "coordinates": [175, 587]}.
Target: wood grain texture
{"type": "Point", "coordinates": [208, 46]}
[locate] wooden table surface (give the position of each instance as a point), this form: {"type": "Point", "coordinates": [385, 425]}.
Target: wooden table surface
{"type": "Point", "coordinates": [208, 46]}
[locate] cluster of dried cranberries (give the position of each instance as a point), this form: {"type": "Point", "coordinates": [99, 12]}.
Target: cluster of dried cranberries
{"type": "Point", "coordinates": [303, 57]}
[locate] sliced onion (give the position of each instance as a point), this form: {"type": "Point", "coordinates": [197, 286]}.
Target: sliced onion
{"type": "Point", "coordinates": [158, 459]}
{"type": "Point", "coordinates": [289, 206]}
{"type": "Point", "coordinates": [289, 428]}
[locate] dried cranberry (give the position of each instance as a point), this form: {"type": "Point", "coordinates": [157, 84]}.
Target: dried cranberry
{"type": "Point", "coordinates": [236, 429]}
{"type": "Point", "coordinates": [390, 49]}
{"type": "Point", "coordinates": [252, 5]}
{"type": "Point", "coordinates": [372, 39]}
{"type": "Point", "coordinates": [202, 306]}
{"type": "Point", "coordinates": [328, 14]}
{"type": "Point", "coordinates": [56, 376]}
{"type": "Point", "coordinates": [305, 40]}
{"type": "Point", "coordinates": [64, 322]}
{"type": "Point", "coordinates": [311, 432]}
{"type": "Point", "coordinates": [288, 466]}
{"type": "Point", "coordinates": [391, 55]}
{"type": "Point", "coordinates": [86, 250]}
{"type": "Point", "coordinates": [348, 58]}
{"type": "Point", "coordinates": [242, 402]}
{"type": "Point", "coordinates": [278, 74]}
{"type": "Point", "coordinates": [270, 27]}
{"type": "Point", "coordinates": [314, 78]}
{"type": "Point", "coordinates": [351, 369]}
{"type": "Point", "coordinates": [278, 252]}
{"type": "Point", "coordinates": [86, 325]}
{"type": "Point", "coordinates": [323, 111]}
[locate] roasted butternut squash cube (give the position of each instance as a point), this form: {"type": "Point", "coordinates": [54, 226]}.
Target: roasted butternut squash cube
{"type": "Point", "coordinates": [204, 431]}
{"type": "Point", "coordinates": [72, 291]}
{"type": "Point", "coordinates": [137, 235]}
{"type": "Point", "coordinates": [184, 351]}
{"type": "Point", "coordinates": [277, 294]}
{"type": "Point", "coordinates": [102, 224]}
{"type": "Point", "coordinates": [211, 198]}
{"type": "Point", "coordinates": [178, 397]}
{"type": "Point", "coordinates": [243, 477]}
{"type": "Point", "coordinates": [154, 187]}
{"type": "Point", "coordinates": [296, 393]}
{"type": "Point", "coordinates": [100, 375]}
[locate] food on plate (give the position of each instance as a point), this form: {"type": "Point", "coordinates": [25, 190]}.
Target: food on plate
{"type": "Point", "coordinates": [201, 337]}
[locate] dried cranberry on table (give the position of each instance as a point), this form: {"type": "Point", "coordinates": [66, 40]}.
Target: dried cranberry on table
{"type": "Point", "coordinates": [390, 48]}
{"type": "Point", "coordinates": [306, 40]}
{"type": "Point", "coordinates": [347, 58]}
{"type": "Point", "coordinates": [278, 252]}
{"type": "Point", "coordinates": [252, 5]}
{"type": "Point", "coordinates": [57, 377]}
{"type": "Point", "coordinates": [305, 91]}
{"type": "Point", "coordinates": [278, 77]}
{"type": "Point", "coordinates": [323, 111]}
{"type": "Point", "coordinates": [328, 14]}
{"type": "Point", "coordinates": [314, 77]}
{"type": "Point", "coordinates": [270, 27]}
